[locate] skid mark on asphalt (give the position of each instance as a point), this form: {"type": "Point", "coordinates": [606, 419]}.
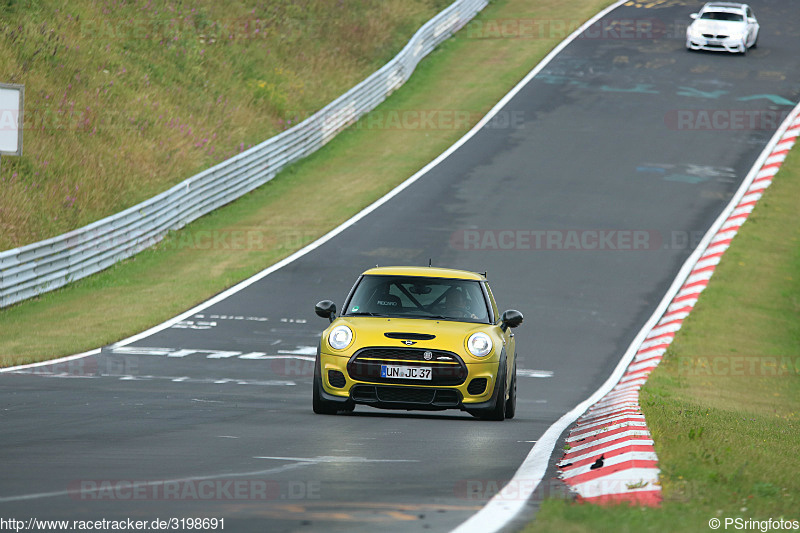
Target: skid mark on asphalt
{"type": "Point", "coordinates": [688, 173]}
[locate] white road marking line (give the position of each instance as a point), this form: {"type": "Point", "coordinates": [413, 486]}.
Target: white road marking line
{"type": "Point", "coordinates": [499, 512]}
{"type": "Point", "coordinates": [51, 361]}
{"type": "Point", "coordinates": [302, 353]}
{"type": "Point", "coordinates": [522, 372]}
{"type": "Point", "coordinates": [301, 350]}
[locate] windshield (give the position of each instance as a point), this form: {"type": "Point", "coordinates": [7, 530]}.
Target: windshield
{"type": "Point", "coordinates": [722, 15]}
{"type": "Point", "coordinates": [419, 297]}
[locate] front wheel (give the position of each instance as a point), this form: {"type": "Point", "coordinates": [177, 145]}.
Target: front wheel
{"type": "Point", "coordinates": [511, 403]}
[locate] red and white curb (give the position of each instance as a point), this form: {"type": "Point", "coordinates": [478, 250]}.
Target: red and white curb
{"type": "Point", "coordinates": [610, 456]}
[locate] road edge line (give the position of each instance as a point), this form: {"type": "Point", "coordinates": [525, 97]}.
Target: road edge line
{"type": "Point", "coordinates": [499, 512]}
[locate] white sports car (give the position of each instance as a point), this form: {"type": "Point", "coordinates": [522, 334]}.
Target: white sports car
{"type": "Point", "coordinates": [723, 26]}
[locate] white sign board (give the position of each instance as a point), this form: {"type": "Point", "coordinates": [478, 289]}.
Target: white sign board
{"type": "Point", "coordinates": [11, 105]}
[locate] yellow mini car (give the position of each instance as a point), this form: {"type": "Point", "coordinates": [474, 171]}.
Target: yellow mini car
{"type": "Point", "coordinates": [418, 338]}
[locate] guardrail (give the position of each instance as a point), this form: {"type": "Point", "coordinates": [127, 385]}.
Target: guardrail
{"type": "Point", "coordinates": [47, 265]}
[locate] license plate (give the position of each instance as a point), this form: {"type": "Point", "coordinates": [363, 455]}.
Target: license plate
{"type": "Point", "coordinates": [405, 372]}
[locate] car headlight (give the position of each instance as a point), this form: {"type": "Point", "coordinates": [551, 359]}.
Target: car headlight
{"type": "Point", "coordinates": [479, 344]}
{"type": "Point", "coordinates": [340, 337]}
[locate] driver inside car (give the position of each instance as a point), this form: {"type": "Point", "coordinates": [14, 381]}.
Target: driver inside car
{"type": "Point", "coordinates": [456, 304]}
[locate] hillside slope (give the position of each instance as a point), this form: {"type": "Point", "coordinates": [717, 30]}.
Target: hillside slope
{"type": "Point", "coordinates": [125, 99]}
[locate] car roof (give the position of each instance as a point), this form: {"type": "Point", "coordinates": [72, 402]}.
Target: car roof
{"type": "Point", "coordinates": [426, 272]}
{"type": "Point", "coordinates": [724, 5]}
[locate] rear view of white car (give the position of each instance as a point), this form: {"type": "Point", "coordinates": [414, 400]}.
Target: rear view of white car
{"type": "Point", "coordinates": [723, 26]}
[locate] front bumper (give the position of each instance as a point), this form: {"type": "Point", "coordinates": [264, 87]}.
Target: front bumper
{"type": "Point", "coordinates": [455, 385]}
{"type": "Point", "coordinates": [733, 46]}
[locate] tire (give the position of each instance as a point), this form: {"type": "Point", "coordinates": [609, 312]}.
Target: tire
{"type": "Point", "coordinates": [511, 403]}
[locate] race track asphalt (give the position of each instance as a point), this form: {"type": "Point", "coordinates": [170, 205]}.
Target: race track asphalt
{"type": "Point", "coordinates": [581, 200]}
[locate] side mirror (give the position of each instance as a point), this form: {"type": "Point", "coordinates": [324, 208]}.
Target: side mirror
{"type": "Point", "coordinates": [511, 319]}
{"type": "Point", "coordinates": [326, 309]}
{"type": "Point", "coordinates": [693, 16]}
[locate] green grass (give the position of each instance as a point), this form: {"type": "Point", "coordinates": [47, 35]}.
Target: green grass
{"type": "Point", "coordinates": [724, 405]}
{"type": "Point", "coordinates": [123, 101]}
{"type": "Point", "coordinates": [468, 74]}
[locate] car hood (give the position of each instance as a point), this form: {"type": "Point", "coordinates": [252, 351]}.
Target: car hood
{"type": "Point", "coordinates": [718, 27]}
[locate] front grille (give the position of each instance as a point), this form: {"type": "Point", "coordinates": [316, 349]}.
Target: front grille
{"type": "Point", "coordinates": [447, 368]}
{"type": "Point", "coordinates": [409, 354]}
{"type": "Point", "coordinates": [364, 393]}
{"type": "Point", "coordinates": [477, 386]}
{"type": "Point", "coordinates": [336, 379]}
{"type": "Point", "coordinates": [405, 394]}
{"type": "Point", "coordinates": [447, 397]}
{"type": "Point", "coordinates": [419, 396]}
